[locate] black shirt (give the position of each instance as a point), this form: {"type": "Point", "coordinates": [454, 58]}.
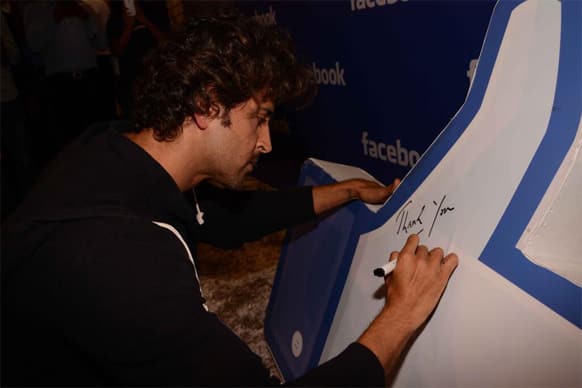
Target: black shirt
{"type": "Point", "coordinates": [95, 293]}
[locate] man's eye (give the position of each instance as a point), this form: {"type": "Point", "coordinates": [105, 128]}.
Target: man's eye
{"type": "Point", "coordinates": [262, 121]}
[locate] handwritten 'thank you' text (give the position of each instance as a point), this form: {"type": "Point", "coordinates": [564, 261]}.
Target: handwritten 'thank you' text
{"type": "Point", "coordinates": [411, 219]}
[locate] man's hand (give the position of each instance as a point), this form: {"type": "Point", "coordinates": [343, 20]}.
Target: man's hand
{"type": "Point", "coordinates": [413, 291]}
{"type": "Point", "coordinates": [417, 283]}
{"type": "Point", "coordinates": [331, 196]}
{"type": "Point", "coordinates": [371, 192]}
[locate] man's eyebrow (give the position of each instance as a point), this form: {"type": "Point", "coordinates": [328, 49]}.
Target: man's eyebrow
{"type": "Point", "coordinates": [266, 111]}
{"type": "Point", "coordinates": [262, 111]}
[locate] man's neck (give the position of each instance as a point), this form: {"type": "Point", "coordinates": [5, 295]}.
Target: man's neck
{"type": "Point", "coordinates": [173, 156]}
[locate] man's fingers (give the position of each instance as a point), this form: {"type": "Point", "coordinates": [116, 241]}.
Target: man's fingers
{"type": "Point", "coordinates": [422, 251]}
{"type": "Point", "coordinates": [394, 255]}
{"type": "Point", "coordinates": [391, 187]}
{"type": "Point", "coordinates": [450, 262]}
{"type": "Point", "coordinates": [410, 245]}
{"type": "Point", "coordinates": [435, 257]}
{"type": "Point", "coordinates": [437, 252]}
{"type": "Point", "coordinates": [396, 183]}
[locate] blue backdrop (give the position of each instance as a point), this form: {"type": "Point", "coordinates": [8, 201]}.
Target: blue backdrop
{"type": "Point", "coordinates": [391, 74]}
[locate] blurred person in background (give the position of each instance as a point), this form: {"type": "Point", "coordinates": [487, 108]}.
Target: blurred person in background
{"type": "Point", "coordinates": [18, 165]}
{"type": "Point", "coordinates": [66, 36]}
{"type": "Point", "coordinates": [133, 29]}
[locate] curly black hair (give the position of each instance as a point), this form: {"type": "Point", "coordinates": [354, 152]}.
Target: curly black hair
{"type": "Point", "coordinates": [213, 63]}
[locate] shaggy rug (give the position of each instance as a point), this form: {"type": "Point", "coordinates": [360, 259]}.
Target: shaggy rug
{"type": "Point", "coordinates": [237, 284]}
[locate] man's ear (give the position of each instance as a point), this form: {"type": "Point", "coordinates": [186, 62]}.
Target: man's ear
{"type": "Point", "coordinates": [202, 121]}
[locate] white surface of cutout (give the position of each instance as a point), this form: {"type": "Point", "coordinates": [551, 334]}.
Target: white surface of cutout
{"type": "Point", "coordinates": [553, 237]}
{"type": "Point", "coordinates": [486, 332]}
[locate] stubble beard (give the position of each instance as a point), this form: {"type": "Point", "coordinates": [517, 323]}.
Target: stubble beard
{"type": "Point", "coordinates": [235, 181]}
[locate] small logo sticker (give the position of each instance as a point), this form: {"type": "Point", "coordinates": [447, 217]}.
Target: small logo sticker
{"type": "Point", "coordinates": [297, 344]}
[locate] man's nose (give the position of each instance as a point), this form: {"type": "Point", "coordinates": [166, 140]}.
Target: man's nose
{"type": "Point", "coordinates": [264, 141]}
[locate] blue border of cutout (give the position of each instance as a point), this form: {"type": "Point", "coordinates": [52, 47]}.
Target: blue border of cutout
{"type": "Point", "coordinates": [368, 221]}
{"type": "Point", "coordinates": [560, 295]}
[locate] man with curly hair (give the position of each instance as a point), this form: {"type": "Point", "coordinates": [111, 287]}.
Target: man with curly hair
{"type": "Point", "coordinates": [99, 281]}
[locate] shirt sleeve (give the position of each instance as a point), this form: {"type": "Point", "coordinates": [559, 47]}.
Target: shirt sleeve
{"type": "Point", "coordinates": [232, 218]}
{"type": "Point", "coordinates": [356, 366]}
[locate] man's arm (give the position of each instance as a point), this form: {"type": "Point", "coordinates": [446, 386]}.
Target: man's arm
{"type": "Point", "coordinates": [328, 197]}
{"type": "Point", "coordinates": [413, 291]}
{"type": "Point", "coordinates": [234, 217]}
{"type": "Point", "coordinates": [414, 288]}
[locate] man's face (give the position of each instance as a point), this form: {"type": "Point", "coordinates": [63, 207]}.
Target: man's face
{"type": "Point", "coordinates": [237, 147]}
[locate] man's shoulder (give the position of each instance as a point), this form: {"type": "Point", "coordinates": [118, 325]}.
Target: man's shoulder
{"type": "Point", "coordinates": [111, 228]}
{"type": "Point", "coordinates": [112, 235]}
{"type": "Point", "coordinates": [126, 245]}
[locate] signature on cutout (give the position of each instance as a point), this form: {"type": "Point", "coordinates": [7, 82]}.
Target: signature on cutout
{"type": "Point", "coordinates": [415, 222]}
